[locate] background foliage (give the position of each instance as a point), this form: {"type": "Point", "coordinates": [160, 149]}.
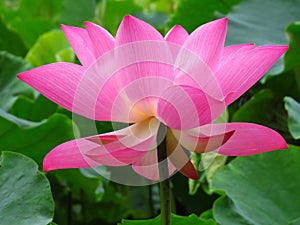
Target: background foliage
{"type": "Point", "coordinates": [257, 190]}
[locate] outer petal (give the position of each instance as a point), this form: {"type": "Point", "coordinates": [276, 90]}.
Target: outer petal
{"type": "Point", "coordinates": [203, 139]}
{"type": "Point", "coordinates": [132, 29]}
{"type": "Point", "coordinates": [249, 139]}
{"type": "Point", "coordinates": [177, 35]}
{"type": "Point", "coordinates": [74, 154]}
{"type": "Point", "coordinates": [67, 85]}
{"type": "Point", "coordinates": [57, 81]}
{"type": "Point", "coordinates": [207, 41]}
{"type": "Point", "coordinates": [118, 148]}
{"type": "Point", "coordinates": [185, 107]}
{"type": "Point", "coordinates": [81, 44]}
{"type": "Point", "coordinates": [102, 40]}
{"type": "Point", "coordinates": [243, 70]}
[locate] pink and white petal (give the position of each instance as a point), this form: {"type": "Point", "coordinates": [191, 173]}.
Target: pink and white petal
{"type": "Point", "coordinates": [249, 139]}
{"type": "Point", "coordinates": [191, 70]}
{"type": "Point", "coordinates": [102, 40]}
{"type": "Point", "coordinates": [185, 107]}
{"type": "Point", "coordinates": [118, 148]}
{"type": "Point", "coordinates": [132, 29]}
{"type": "Point", "coordinates": [245, 69]}
{"type": "Point", "coordinates": [177, 35]}
{"type": "Point", "coordinates": [70, 155]}
{"type": "Point", "coordinates": [81, 43]}
{"type": "Point", "coordinates": [148, 166]}
{"type": "Point", "coordinates": [132, 101]}
{"type": "Point", "coordinates": [208, 41]}
{"type": "Point", "coordinates": [203, 139]}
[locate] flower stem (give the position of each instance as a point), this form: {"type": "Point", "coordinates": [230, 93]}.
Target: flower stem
{"type": "Point", "coordinates": [165, 202]}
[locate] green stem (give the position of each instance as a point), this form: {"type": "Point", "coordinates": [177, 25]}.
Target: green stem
{"type": "Point", "coordinates": [165, 202]}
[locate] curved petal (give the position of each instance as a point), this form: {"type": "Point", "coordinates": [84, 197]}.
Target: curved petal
{"type": "Point", "coordinates": [81, 43]}
{"type": "Point", "coordinates": [118, 148]}
{"type": "Point", "coordinates": [132, 29]}
{"type": "Point", "coordinates": [203, 139]}
{"type": "Point", "coordinates": [57, 81]}
{"type": "Point", "coordinates": [207, 41]}
{"type": "Point", "coordinates": [185, 107]}
{"type": "Point", "coordinates": [249, 139]}
{"type": "Point", "coordinates": [177, 35]}
{"type": "Point", "coordinates": [102, 40]}
{"type": "Point", "coordinates": [243, 70]}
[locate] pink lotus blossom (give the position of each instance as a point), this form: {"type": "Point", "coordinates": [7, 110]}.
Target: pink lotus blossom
{"type": "Point", "coordinates": [144, 79]}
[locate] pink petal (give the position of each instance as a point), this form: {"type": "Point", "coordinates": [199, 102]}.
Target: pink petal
{"type": "Point", "coordinates": [249, 139]}
{"type": "Point", "coordinates": [118, 148]}
{"type": "Point", "coordinates": [208, 41]}
{"type": "Point", "coordinates": [67, 85]}
{"type": "Point", "coordinates": [56, 81]}
{"type": "Point", "coordinates": [132, 29]}
{"type": "Point", "coordinates": [131, 100]}
{"type": "Point", "coordinates": [243, 70]}
{"type": "Point", "coordinates": [102, 40]}
{"type": "Point", "coordinates": [230, 52]}
{"type": "Point", "coordinates": [81, 43]}
{"type": "Point", "coordinates": [203, 139]}
{"type": "Point", "coordinates": [185, 107]}
{"type": "Point", "coordinates": [177, 35]}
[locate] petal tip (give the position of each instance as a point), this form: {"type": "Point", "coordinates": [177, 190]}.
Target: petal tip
{"type": "Point", "coordinates": [223, 21]}
{"type": "Point", "coordinates": [46, 166]}
{"type": "Point", "coordinates": [90, 24]}
{"type": "Point", "coordinates": [129, 18]}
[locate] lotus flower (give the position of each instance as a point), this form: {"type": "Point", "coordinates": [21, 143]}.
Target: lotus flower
{"type": "Point", "coordinates": [144, 79]}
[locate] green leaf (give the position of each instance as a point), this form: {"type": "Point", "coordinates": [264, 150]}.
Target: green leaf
{"type": "Point", "coordinates": [292, 58]}
{"type": "Point", "coordinates": [33, 139]}
{"type": "Point", "coordinates": [10, 41]}
{"type": "Point", "coordinates": [48, 49]}
{"type": "Point", "coordinates": [228, 213]}
{"type": "Point", "coordinates": [261, 22]}
{"type": "Point", "coordinates": [254, 110]}
{"type": "Point", "coordinates": [10, 85]}
{"type": "Point", "coordinates": [33, 110]}
{"type": "Point", "coordinates": [47, 9]}
{"type": "Point", "coordinates": [111, 12]}
{"type": "Point", "coordinates": [26, 194]}
{"type": "Point", "coordinates": [29, 18]}
{"type": "Point", "coordinates": [295, 222]}
{"type": "Point", "coordinates": [30, 29]}
{"type": "Point", "coordinates": [74, 13]}
{"type": "Point", "coordinates": [176, 220]}
{"type": "Point", "coordinates": [264, 188]}
{"type": "Point", "coordinates": [293, 109]}
{"type": "Point", "coordinates": [193, 13]}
